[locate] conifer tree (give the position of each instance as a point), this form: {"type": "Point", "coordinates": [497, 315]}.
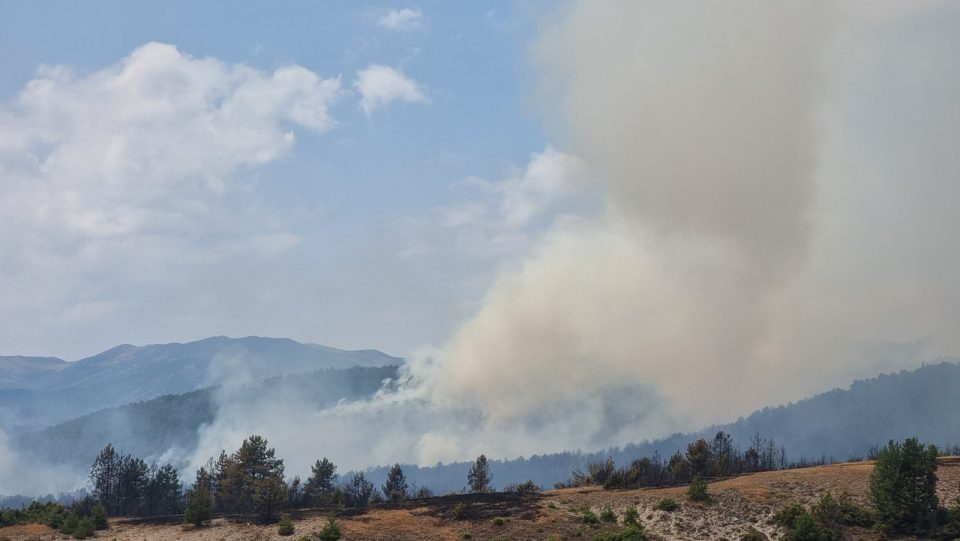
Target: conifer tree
{"type": "Point", "coordinates": [478, 479]}
{"type": "Point", "coordinates": [396, 486]}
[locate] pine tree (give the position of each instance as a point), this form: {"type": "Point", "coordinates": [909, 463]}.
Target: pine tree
{"type": "Point", "coordinates": [320, 484]}
{"type": "Point", "coordinates": [903, 485]}
{"type": "Point", "coordinates": [358, 491]}
{"type": "Point", "coordinates": [105, 476]}
{"type": "Point", "coordinates": [259, 475]}
{"type": "Point", "coordinates": [199, 506]}
{"type": "Point", "coordinates": [478, 479]}
{"type": "Point", "coordinates": [396, 486]}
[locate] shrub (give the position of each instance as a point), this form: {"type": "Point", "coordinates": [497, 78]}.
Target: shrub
{"type": "Point", "coordinates": [589, 517]}
{"type": "Point", "coordinates": [843, 511]}
{"type": "Point", "coordinates": [697, 491]}
{"type": "Point", "coordinates": [84, 529]}
{"type": "Point", "coordinates": [666, 504]}
{"type": "Point", "coordinates": [754, 534]}
{"type": "Point", "coordinates": [99, 517]}
{"type": "Point", "coordinates": [285, 527]}
{"type": "Point", "coordinates": [460, 510]}
{"type": "Point", "coordinates": [525, 488]}
{"type": "Point", "coordinates": [330, 532]}
{"type": "Point", "coordinates": [807, 529]}
{"type": "Point", "coordinates": [787, 516]}
{"type": "Point", "coordinates": [630, 516]}
{"type": "Point", "coordinates": [607, 515]}
{"type": "Point", "coordinates": [633, 532]}
{"type": "Point", "coordinates": [69, 524]}
{"type": "Point", "coordinates": [499, 521]}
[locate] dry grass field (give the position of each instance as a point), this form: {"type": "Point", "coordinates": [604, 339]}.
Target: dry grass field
{"type": "Point", "coordinates": [736, 505]}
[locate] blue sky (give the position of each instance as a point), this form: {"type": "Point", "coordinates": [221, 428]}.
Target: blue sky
{"type": "Point", "coordinates": [355, 195]}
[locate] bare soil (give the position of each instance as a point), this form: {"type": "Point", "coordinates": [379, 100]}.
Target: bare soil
{"type": "Point", "coordinates": [736, 505]}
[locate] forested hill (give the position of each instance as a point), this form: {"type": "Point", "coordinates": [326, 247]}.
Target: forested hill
{"type": "Point", "coordinates": [151, 428]}
{"type": "Point", "coordinates": [838, 424]}
{"type": "Point", "coordinates": [43, 391]}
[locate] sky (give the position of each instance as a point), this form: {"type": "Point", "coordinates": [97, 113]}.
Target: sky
{"type": "Point", "coordinates": [583, 223]}
{"type": "Point", "coordinates": [360, 229]}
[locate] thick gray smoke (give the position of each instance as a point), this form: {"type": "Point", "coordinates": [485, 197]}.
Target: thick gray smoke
{"type": "Point", "coordinates": [779, 184]}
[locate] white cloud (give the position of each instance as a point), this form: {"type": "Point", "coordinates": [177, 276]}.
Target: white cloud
{"type": "Point", "coordinates": [126, 171]}
{"type": "Point", "coordinates": [402, 19]}
{"type": "Point", "coordinates": [381, 85]}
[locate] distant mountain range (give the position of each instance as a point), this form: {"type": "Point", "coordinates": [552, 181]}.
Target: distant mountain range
{"type": "Point", "coordinates": [839, 424]}
{"type": "Point", "coordinates": [45, 390]}
{"type": "Point", "coordinates": [170, 425]}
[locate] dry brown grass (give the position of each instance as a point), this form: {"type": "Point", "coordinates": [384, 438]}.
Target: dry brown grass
{"type": "Point", "coordinates": [736, 504]}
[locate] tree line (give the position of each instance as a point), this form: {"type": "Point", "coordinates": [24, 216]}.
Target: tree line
{"type": "Point", "coordinates": [718, 457]}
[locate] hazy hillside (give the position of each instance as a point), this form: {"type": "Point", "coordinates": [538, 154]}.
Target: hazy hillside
{"type": "Point", "coordinates": [19, 371]}
{"type": "Point", "coordinates": [170, 424]}
{"type": "Point", "coordinates": [841, 423]}
{"type": "Point", "coordinates": [48, 392]}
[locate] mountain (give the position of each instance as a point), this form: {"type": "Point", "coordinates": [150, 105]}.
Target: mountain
{"type": "Point", "coordinates": [17, 370]}
{"type": "Point", "coordinates": [126, 373]}
{"type": "Point", "coordinates": [839, 424]}
{"type": "Point", "coordinates": [170, 425]}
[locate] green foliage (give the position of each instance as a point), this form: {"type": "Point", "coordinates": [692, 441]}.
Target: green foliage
{"type": "Point", "coordinates": [358, 491]}
{"type": "Point", "coordinates": [395, 488]}
{"type": "Point", "coordinates": [630, 516]}
{"type": "Point", "coordinates": [330, 532]}
{"type": "Point", "coordinates": [754, 534]}
{"type": "Point", "coordinates": [199, 506]}
{"type": "Point", "coordinates": [525, 488]}
{"type": "Point", "coordinates": [84, 529]}
{"type": "Point", "coordinates": [589, 517]}
{"type": "Point", "coordinates": [478, 478]}
{"type": "Point", "coordinates": [843, 511]}
{"type": "Point", "coordinates": [285, 526]}
{"type": "Point", "coordinates": [499, 521]}
{"type": "Point", "coordinates": [806, 529]}
{"type": "Point", "coordinates": [99, 517]}
{"type": "Point", "coordinates": [466, 535]}
{"type": "Point", "coordinates": [787, 516]}
{"type": "Point", "coordinates": [697, 491]}
{"type": "Point", "coordinates": [903, 486]}
{"type": "Point", "coordinates": [666, 504]}
{"type": "Point", "coordinates": [69, 524]}
{"type": "Point", "coordinates": [607, 515]}
{"type": "Point", "coordinates": [632, 532]}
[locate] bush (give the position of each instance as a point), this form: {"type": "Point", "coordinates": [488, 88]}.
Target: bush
{"type": "Point", "coordinates": [843, 511]}
{"type": "Point", "coordinates": [666, 504]}
{"type": "Point", "coordinates": [526, 488]}
{"type": "Point", "coordinates": [633, 532]}
{"type": "Point", "coordinates": [787, 516]}
{"type": "Point", "coordinates": [460, 510]}
{"type": "Point", "coordinates": [754, 534]}
{"type": "Point", "coordinates": [499, 521]}
{"type": "Point", "coordinates": [69, 524]}
{"type": "Point", "coordinates": [330, 532]}
{"type": "Point", "coordinates": [807, 529]}
{"type": "Point", "coordinates": [607, 515]}
{"type": "Point", "coordinates": [697, 491]}
{"type": "Point", "coordinates": [630, 516]}
{"type": "Point", "coordinates": [99, 517]}
{"type": "Point", "coordinates": [285, 527]}
{"type": "Point", "coordinates": [84, 529]}
{"type": "Point", "coordinates": [589, 517]}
